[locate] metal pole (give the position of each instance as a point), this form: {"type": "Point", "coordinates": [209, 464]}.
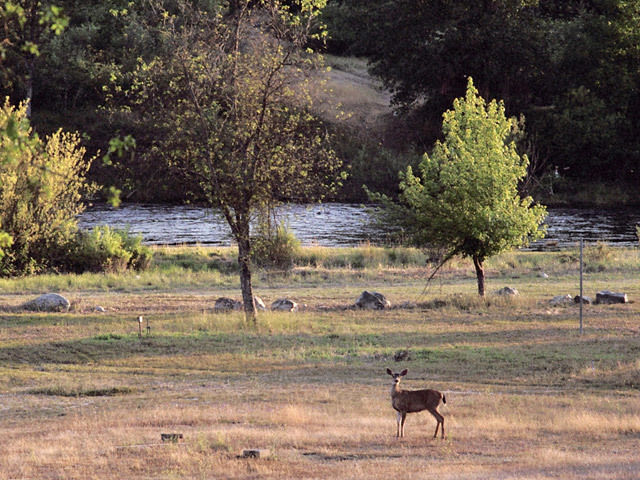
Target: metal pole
{"type": "Point", "coordinates": [581, 275]}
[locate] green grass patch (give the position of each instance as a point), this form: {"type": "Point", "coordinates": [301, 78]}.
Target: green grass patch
{"type": "Point", "coordinates": [60, 391]}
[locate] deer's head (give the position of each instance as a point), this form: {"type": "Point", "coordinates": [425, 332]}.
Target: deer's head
{"type": "Point", "coordinates": [397, 376]}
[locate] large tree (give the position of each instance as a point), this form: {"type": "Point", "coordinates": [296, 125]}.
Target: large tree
{"type": "Point", "coordinates": [465, 198]}
{"type": "Point", "coordinates": [229, 100]}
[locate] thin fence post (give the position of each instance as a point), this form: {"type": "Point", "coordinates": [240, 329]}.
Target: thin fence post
{"type": "Point", "coordinates": [581, 280]}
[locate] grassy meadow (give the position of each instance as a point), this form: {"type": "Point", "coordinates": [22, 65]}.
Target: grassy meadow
{"type": "Point", "coordinates": [528, 397]}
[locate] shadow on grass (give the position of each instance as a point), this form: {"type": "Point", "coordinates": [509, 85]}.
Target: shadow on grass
{"type": "Point", "coordinates": [482, 357]}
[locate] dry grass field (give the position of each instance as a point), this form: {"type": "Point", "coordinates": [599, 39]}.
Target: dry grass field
{"type": "Point", "coordinates": [528, 397]}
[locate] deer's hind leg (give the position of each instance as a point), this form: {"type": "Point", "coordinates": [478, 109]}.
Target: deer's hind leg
{"type": "Point", "coordinates": [440, 419]}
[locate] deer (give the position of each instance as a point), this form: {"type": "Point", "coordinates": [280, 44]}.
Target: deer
{"type": "Point", "coordinates": [412, 401]}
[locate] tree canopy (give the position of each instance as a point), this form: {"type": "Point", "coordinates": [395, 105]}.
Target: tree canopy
{"type": "Point", "coordinates": [227, 99]}
{"type": "Point", "coordinates": [572, 68]}
{"type": "Point", "coordinates": [465, 198]}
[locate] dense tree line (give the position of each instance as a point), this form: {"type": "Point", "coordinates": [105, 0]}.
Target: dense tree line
{"type": "Point", "coordinates": [572, 68]}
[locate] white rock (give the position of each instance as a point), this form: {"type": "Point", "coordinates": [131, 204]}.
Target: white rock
{"type": "Point", "coordinates": [284, 305]}
{"type": "Point", "coordinates": [49, 302]}
{"type": "Point", "coordinates": [259, 303]}
{"type": "Point", "coordinates": [562, 300]}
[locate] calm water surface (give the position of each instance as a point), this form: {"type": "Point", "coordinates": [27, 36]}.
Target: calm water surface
{"type": "Point", "coordinates": [339, 224]}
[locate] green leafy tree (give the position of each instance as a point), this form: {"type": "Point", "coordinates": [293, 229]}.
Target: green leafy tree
{"type": "Point", "coordinates": [466, 198]}
{"type": "Point", "coordinates": [229, 100]}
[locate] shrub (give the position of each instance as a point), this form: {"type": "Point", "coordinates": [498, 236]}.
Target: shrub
{"type": "Point", "coordinates": [41, 186]}
{"type": "Point", "coordinates": [274, 248]}
{"type": "Point", "coordinates": [599, 257]}
{"type": "Point", "coordinates": [104, 249]}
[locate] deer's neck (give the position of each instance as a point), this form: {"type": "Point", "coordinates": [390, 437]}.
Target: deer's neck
{"type": "Point", "coordinates": [395, 389]}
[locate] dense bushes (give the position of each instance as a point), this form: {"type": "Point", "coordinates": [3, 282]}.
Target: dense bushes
{"type": "Point", "coordinates": [104, 249]}
{"type": "Point", "coordinates": [42, 183]}
{"type": "Point", "coordinates": [275, 246]}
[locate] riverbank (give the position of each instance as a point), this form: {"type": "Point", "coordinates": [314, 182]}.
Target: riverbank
{"type": "Point", "coordinates": [527, 396]}
{"type": "Point", "coordinates": [198, 267]}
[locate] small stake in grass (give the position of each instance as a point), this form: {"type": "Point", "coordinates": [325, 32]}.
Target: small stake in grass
{"type": "Point", "coordinates": [255, 453]}
{"type": "Point", "coordinates": [171, 437]}
{"type": "Point", "coordinates": [581, 276]}
{"type": "Point", "coordinates": [148, 327]}
{"type": "Point", "coordinates": [140, 326]}
{"type": "Point", "coordinates": [412, 401]}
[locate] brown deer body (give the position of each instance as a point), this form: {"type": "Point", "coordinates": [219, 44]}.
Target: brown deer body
{"type": "Point", "coordinates": [411, 401]}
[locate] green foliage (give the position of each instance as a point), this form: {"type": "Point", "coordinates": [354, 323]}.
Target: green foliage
{"type": "Point", "coordinates": [570, 67]}
{"type": "Point", "coordinates": [64, 391]}
{"type": "Point", "coordinates": [41, 188]}
{"type": "Point", "coordinates": [229, 100]}
{"type": "Point", "coordinates": [368, 163]}
{"type": "Point", "coordinates": [104, 249]}
{"type": "Point", "coordinates": [276, 247]}
{"type": "Point", "coordinates": [599, 257]}
{"type": "Point", "coordinates": [466, 197]}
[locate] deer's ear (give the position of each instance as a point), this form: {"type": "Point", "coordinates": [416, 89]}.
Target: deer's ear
{"type": "Point", "coordinates": [404, 372]}
{"type": "Point", "coordinates": [389, 371]}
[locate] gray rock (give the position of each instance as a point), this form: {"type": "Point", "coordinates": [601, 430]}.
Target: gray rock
{"type": "Point", "coordinates": [562, 300]}
{"type": "Point", "coordinates": [402, 356]}
{"type": "Point", "coordinates": [607, 297]}
{"type": "Point", "coordinates": [49, 302]}
{"type": "Point", "coordinates": [224, 304]}
{"type": "Point", "coordinates": [585, 300]}
{"type": "Point", "coordinates": [508, 291]}
{"type": "Point", "coordinates": [284, 305]}
{"type": "Point", "coordinates": [99, 309]}
{"type": "Point", "coordinates": [372, 301]}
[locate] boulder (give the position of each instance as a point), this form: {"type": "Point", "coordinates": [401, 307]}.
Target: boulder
{"type": "Point", "coordinates": [607, 297]}
{"type": "Point", "coordinates": [224, 304]}
{"type": "Point", "coordinates": [508, 291]}
{"type": "Point", "coordinates": [49, 302]}
{"type": "Point", "coordinates": [259, 303]}
{"type": "Point", "coordinates": [372, 301]}
{"type": "Point", "coordinates": [402, 356]}
{"type": "Point", "coordinates": [585, 300]}
{"type": "Point", "coordinates": [284, 305]}
{"type": "Point", "coordinates": [562, 300]}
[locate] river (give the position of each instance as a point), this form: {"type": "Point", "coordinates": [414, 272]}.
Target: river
{"type": "Point", "coordinates": [339, 224]}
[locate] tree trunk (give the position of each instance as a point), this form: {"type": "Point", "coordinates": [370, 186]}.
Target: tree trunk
{"type": "Point", "coordinates": [244, 261]}
{"type": "Point", "coordinates": [479, 274]}
{"type": "Point", "coordinates": [29, 86]}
